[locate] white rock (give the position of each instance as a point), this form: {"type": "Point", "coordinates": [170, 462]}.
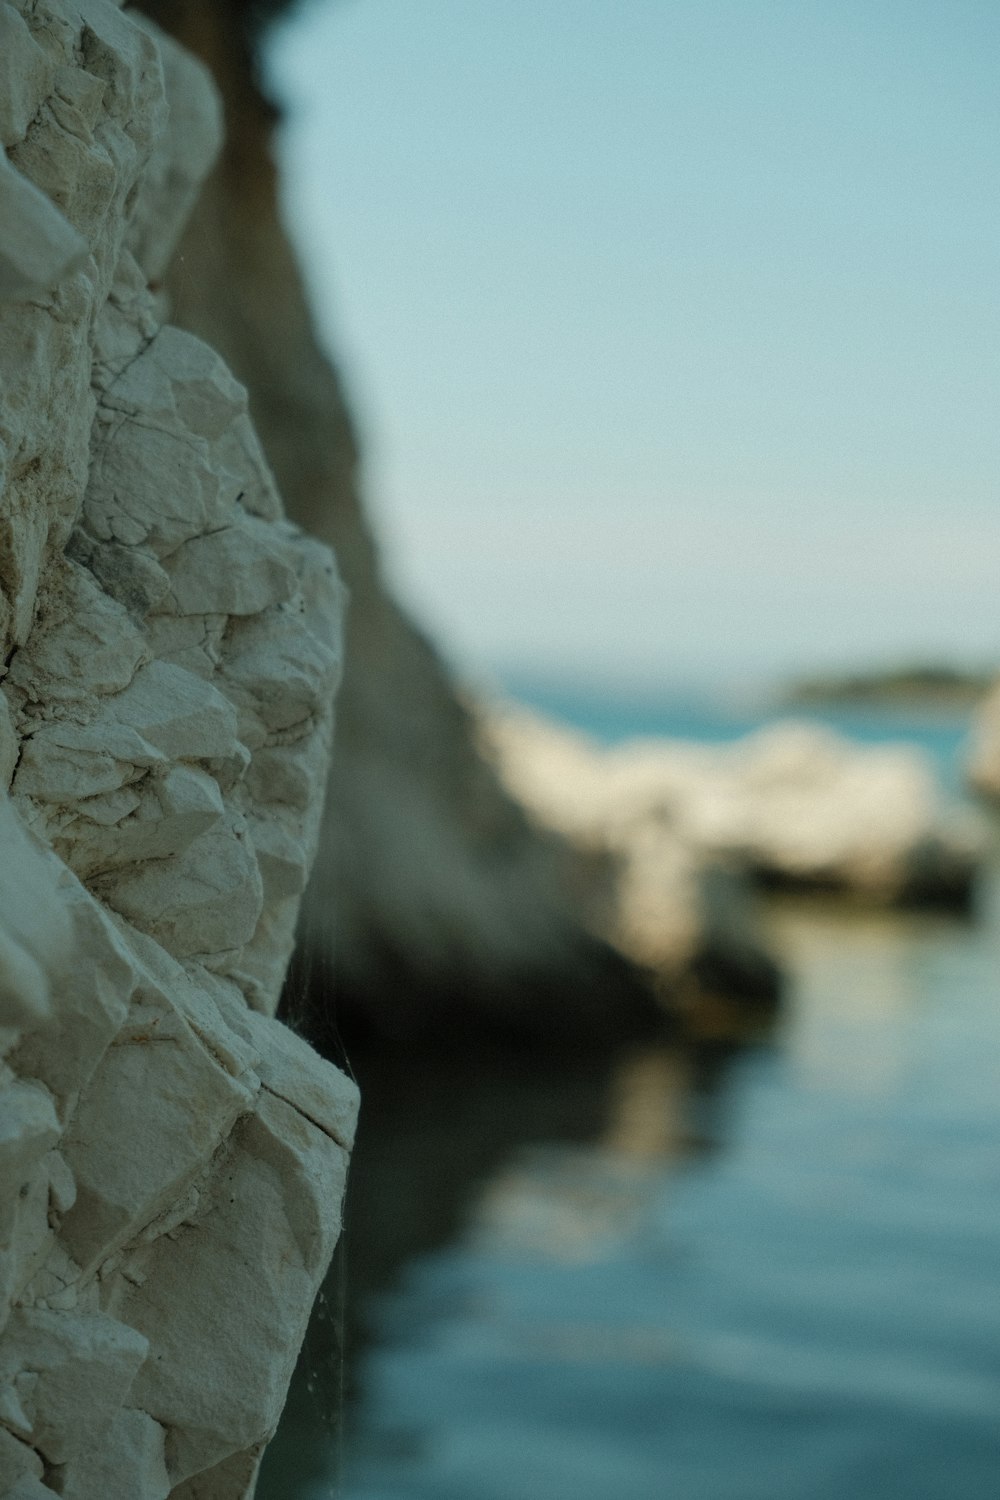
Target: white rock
{"type": "Point", "coordinates": [794, 802]}
{"type": "Point", "coordinates": [29, 1126]}
{"type": "Point", "coordinates": [82, 647]}
{"type": "Point", "coordinates": [136, 1142]}
{"type": "Point", "coordinates": [126, 1461]}
{"type": "Point", "coordinates": [204, 901]}
{"type": "Point", "coordinates": [36, 937]}
{"type": "Point", "coordinates": [81, 1368]}
{"type": "Point", "coordinates": [19, 1464]}
{"type": "Point", "coordinates": [236, 1476]}
{"type": "Point", "coordinates": [30, 1488]}
{"type": "Point", "coordinates": [171, 1163]}
{"type": "Point", "coordinates": [25, 76]}
{"type": "Point", "coordinates": [43, 247]}
{"type": "Point", "coordinates": [227, 1354]}
{"type": "Point", "coordinates": [236, 571]}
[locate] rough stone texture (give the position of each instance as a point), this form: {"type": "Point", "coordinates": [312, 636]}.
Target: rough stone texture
{"type": "Point", "coordinates": [436, 907]}
{"type": "Point", "coordinates": [794, 804]}
{"type": "Point", "coordinates": [173, 1159]}
{"type": "Point", "coordinates": [983, 763]}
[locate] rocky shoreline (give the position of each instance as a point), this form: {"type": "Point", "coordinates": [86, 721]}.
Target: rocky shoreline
{"type": "Point", "coordinates": [173, 645]}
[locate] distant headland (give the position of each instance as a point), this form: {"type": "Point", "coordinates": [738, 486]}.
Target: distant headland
{"type": "Point", "coordinates": [923, 684]}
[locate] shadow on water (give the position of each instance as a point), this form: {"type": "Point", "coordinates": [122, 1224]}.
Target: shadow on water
{"type": "Point", "coordinates": [445, 1146]}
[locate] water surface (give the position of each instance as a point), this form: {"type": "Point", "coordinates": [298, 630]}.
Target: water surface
{"type": "Point", "coordinates": [808, 1310]}
{"type": "Point", "coordinates": [763, 1275]}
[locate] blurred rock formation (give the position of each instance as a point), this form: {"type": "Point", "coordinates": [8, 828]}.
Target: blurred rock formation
{"type": "Point", "coordinates": [173, 1158]}
{"type": "Point", "coordinates": [983, 764]}
{"type": "Point", "coordinates": [792, 805]}
{"type": "Point", "coordinates": [436, 905]}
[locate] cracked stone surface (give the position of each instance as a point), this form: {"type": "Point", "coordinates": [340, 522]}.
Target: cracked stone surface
{"type": "Point", "coordinates": [173, 1158]}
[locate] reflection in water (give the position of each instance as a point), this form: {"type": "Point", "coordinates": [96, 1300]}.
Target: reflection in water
{"type": "Point", "coordinates": [560, 1203]}
{"type": "Point", "coordinates": [856, 994]}
{"type": "Point", "coordinates": [433, 1131]}
{"type": "Point", "coordinates": [646, 1113]}
{"type": "Point", "coordinates": [564, 1295]}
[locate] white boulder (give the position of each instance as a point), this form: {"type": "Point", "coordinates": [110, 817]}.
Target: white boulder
{"type": "Point", "coordinates": [794, 804]}
{"type": "Point", "coordinates": [645, 886]}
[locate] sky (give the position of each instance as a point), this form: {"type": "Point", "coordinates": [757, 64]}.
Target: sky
{"type": "Point", "coordinates": [672, 327]}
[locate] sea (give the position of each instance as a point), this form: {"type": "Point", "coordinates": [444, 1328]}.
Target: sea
{"type": "Point", "coordinates": [758, 1272]}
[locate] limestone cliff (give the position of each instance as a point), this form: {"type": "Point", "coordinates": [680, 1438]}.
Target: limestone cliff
{"type": "Point", "coordinates": [436, 904]}
{"type": "Point", "coordinates": [173, 1157]}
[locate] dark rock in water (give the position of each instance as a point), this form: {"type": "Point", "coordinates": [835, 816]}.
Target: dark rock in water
{"type": "Point", "coordinates": [586, 997]}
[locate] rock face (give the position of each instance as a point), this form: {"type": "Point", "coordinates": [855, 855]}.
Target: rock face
{"type": "Point", "coordinates": [436, 907]}
{"type": "Point", "coordinates": [174, 1158]}
{"type": "Point", "coordinates": [794, 805]}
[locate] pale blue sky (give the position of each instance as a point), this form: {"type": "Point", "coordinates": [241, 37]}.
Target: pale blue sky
{"type": "Point", "coordinates": [673, 326]}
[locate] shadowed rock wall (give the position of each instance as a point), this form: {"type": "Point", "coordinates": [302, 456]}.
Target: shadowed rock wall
{"type": "Point", "coordinates": [435, 905]}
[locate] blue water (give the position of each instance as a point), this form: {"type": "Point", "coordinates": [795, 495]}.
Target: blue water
{"type": "Point", "coordinates": [805, 1307]}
